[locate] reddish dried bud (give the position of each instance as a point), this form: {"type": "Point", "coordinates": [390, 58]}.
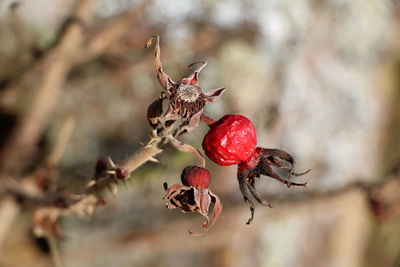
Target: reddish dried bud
{"type": "Point", "coordinates": [60, 203]}
{"type": "Point", "coordinates": [195, 176]}
{"type": "Point", "coordinates": [121, 173]}
{"type": "Point", "coordinates": [231, 140]}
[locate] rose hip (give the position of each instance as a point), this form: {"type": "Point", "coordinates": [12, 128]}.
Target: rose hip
{"type": "Point", "coordinates": [232, 140]}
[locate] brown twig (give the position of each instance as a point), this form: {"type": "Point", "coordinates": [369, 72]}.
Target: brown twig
{"type": "Point", "coordinates": [29, 187]}
{"type": "Point", "coordinates": [51, 71]}
{"type": "Point", "coordinates": [100, 40]}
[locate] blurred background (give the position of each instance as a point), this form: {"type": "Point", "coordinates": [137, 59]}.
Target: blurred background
{"type": "Point", "coordinates": [319, 79]}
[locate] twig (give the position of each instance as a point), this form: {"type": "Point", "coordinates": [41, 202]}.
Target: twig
{"type": "Point", "coordinates": [147, 153]}
{"type": "Point", "coordinates": [52, 71]}
{"type": "Point", "coordinates": [28, 187]}
{"type": "Point", "coordinates": [97, 43]}
{"type": "Point", "coordinates": [62, 141]}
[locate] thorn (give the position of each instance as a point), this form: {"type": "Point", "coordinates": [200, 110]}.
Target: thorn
{"type": "Point", "coordinates": [91, 183]}
{"type": "Point", "coordinates": [153, 159]}
{"type": "Point", "coordinates": [111, 162]}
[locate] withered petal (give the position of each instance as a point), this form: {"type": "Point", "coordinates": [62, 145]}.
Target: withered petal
{"type": "Point", "coordinates": [193, 78]}
{"type": "Point", "coordinates": [214, 94]}
{"type": "Point", "coordinates": [211, 199]}
{"type": "Point", "coordinates": [192, 199]}
{"type": "Point", "coordinates": [180, 196]}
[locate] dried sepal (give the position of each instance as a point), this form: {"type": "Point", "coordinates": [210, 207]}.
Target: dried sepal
{"type": "Point", "coordinates": [217, 208]}
{"type": "Point", "coordinates": [193, 78]}
{"type": "Point", "coordinates": [165, 81]}
{"type": "Point", "coordinates": [269, 158]}
{"type": "Point", "coordinates": [214, 94]}
{"type": "Point", "coordinates": [192, 199]}
{"type": "Point", "coordinates": [262, 163]}
{"type": "Point", "coordinates": [178, 145]}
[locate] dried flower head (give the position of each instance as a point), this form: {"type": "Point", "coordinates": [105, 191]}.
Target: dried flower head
{"type": "Point", "coordinates": [195, 196]}
{"type": "Point", "coordinates": [186, 98]}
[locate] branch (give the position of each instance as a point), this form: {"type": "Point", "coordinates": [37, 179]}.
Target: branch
{"type": "Point", "coordinates": [99, 41]}
{"type": "Point", "coordinates": [47, 77]}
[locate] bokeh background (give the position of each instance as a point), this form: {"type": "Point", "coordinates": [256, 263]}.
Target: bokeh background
{"type": "Point", "coordinates": [319, 78]}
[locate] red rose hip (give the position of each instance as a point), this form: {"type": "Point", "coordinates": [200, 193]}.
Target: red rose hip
{"type": "Point", "coordinates": [231, 140]}
{"type": "Point", "coordinates": [195, 176]}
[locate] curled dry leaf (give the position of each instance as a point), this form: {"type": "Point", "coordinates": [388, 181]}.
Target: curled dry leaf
{"type": "Point", "coordinates": [192, 199]}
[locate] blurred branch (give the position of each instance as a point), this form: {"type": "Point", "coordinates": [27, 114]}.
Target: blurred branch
{"type": "Point", "coordinates": [48, 76]}
{"type": "Point", "coordinates": [62, 142]}
{"type": "Point", "coordinates": [100, 40]}
{"type": "Point", "coordinates": [40, 87]}
{"type": "Point", "coordinates": [31, 186]}
{"type": "Point", "coordinates": [159, 239]}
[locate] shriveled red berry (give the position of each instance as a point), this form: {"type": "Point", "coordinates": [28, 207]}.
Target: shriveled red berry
{"type": "Point", "coordinates": [231, 140]}
{"type": "Point", "coordinates": [195, 176]}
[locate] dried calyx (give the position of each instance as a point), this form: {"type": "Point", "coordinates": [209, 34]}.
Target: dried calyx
{"type": "Point", "coordinates": [194, 196]}
{"type": "Point", "coordinates": [232, 140]}
{"type": "Point", "coordinates": [186, 98]}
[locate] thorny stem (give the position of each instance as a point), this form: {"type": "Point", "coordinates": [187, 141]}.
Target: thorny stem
{"type": "Point", "coordinates": [146, 153]}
